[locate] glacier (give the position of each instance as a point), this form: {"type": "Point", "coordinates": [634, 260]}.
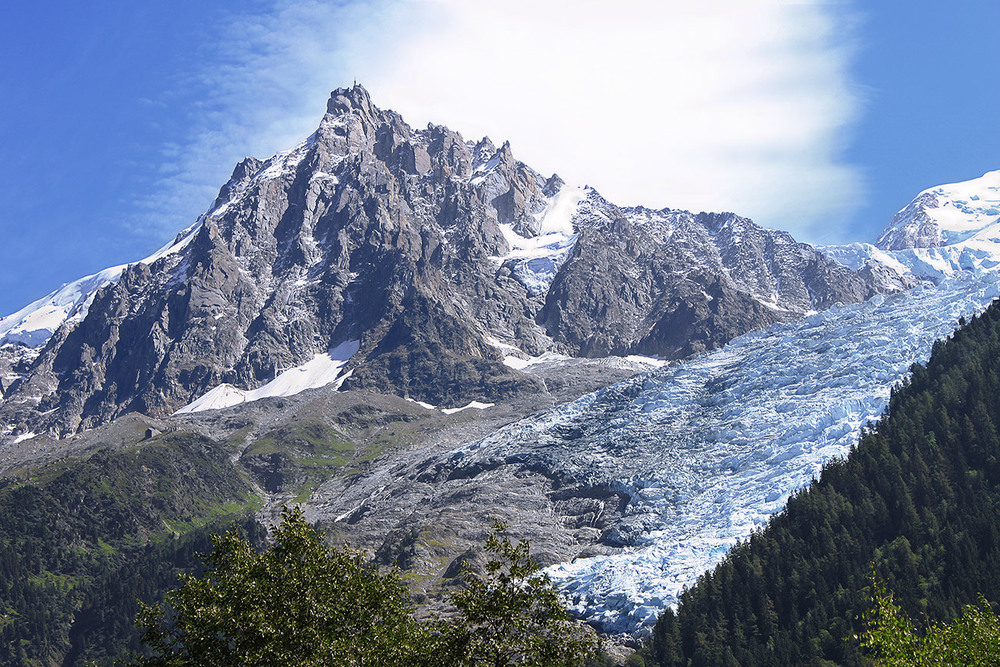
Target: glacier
{"type": "Point", "coordinates": [707, 450]}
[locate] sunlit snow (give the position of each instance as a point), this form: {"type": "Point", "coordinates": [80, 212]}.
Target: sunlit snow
{"type": "Point", "coordinates": [472, 405]}
{"type": "Point", "coordinates": [24, 436]}
{"type": "Point", "coordinates": [320, 371]}
{"type": "Point", "coordinates": [34, 324]}
{"type": "Point", "coordinates": [965, 207]}
{"type": "Point", "coordinates": [535, 260]}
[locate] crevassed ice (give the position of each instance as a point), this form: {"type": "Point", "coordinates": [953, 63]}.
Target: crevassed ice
{"type": "Point", "coordinates": [708, 450]}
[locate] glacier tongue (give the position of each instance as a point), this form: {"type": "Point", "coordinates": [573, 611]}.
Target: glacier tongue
{"type": "Point", "coordinates": [708, 450]}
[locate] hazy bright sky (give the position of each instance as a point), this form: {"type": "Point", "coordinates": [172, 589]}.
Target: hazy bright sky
{"type": "Point", "coordinates": [120, 120]}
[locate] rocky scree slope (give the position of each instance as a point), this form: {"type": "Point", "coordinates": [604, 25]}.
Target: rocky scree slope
{"type": "Point", "coordinates": [432, 256]}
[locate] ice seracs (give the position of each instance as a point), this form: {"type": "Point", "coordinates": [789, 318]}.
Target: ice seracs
{"type": "Point", "coordinates": [708, 450]}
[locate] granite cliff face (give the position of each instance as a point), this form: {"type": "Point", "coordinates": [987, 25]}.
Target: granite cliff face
{"type": "Point", "coordinates": [672, 283]}
{"type": "Point", "coordinates": [431, 256]}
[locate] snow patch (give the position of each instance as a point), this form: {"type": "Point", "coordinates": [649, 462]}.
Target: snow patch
{"type": "Point", "coordinates": [473, 405]}
{"type": "Point", "coordinates": [320, 371]}
{"type": "Point", "coordinates": [655, 362]}
{"type": "Point", "coordinates": [476, 405]}
{"type": "Point", "coordinates": [519, 363]}
{"type": "Point", "coordinates": [557, 218]}
{"type": "Point", "coordinates": [535, 260]}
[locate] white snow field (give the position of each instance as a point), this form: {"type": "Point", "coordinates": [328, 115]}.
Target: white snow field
{"type": "Point", "coordinates": [966, 217]}
{"type": "Point", "coordinates": [960, 210]}
{"type": "Point", "coordinates": [321, 370]}
{"type": "Point", "coordinates": [34, 324]}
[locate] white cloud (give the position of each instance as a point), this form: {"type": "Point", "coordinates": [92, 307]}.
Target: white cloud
{"type": "Point", "coordinates": [717, 105]}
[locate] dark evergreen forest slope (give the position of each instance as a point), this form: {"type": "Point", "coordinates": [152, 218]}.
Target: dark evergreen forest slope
{"type": "Point", "coordinates": [917, 501]}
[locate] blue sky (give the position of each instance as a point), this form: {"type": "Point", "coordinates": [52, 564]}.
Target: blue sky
{"type": "Point", "coordinates": [121, 120]}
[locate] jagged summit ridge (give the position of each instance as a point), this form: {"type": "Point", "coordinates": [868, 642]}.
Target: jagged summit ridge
{"type": "Point", "coordinates": [437, 256]}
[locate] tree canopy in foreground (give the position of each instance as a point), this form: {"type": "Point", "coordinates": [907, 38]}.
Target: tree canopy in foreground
{"type": "Point", "coordinates": [972, 639]}
{"type": "Point", "coordinates": [301, 603]}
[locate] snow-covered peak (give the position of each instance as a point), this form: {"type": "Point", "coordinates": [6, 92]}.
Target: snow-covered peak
{"type": "Point", "coordinates": [281, 165]}
{"type": "Point", "coordinates": [484, 156]}
{"type": "Point", "coordinates": [945, 214]}
{"type": "Point", "coordinates": [945, 230]}
{"type": "Point", "coordinates": [34, 324]}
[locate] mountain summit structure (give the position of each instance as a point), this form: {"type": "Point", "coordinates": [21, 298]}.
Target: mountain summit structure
{"type": "Point", "coordinates": [405, 261]}
{"type": "Point", "coordinates": [412, 335]}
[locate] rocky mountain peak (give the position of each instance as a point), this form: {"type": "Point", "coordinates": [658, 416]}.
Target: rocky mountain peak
{"type": "Point", "coordinates": [346, 100]}
{"type": "Point", "coordinates": [431, 259]}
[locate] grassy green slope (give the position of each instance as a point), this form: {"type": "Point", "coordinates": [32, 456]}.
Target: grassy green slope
{"type": "Point", "coordinates": [80, 541]}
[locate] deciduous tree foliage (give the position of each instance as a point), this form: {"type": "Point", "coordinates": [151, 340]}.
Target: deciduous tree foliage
{"type": "Point", "coordinates": [511, 614]}
{"type": "Point", "coordinates": [302, 603]}
{"type": "Point", "coordinates": [972, 640]}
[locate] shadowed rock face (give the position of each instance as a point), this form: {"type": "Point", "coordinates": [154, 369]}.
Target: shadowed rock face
{"type": "Point", "coordinates": [671, 284]}
{"type": "Point", "coordinates": [401, 239]}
